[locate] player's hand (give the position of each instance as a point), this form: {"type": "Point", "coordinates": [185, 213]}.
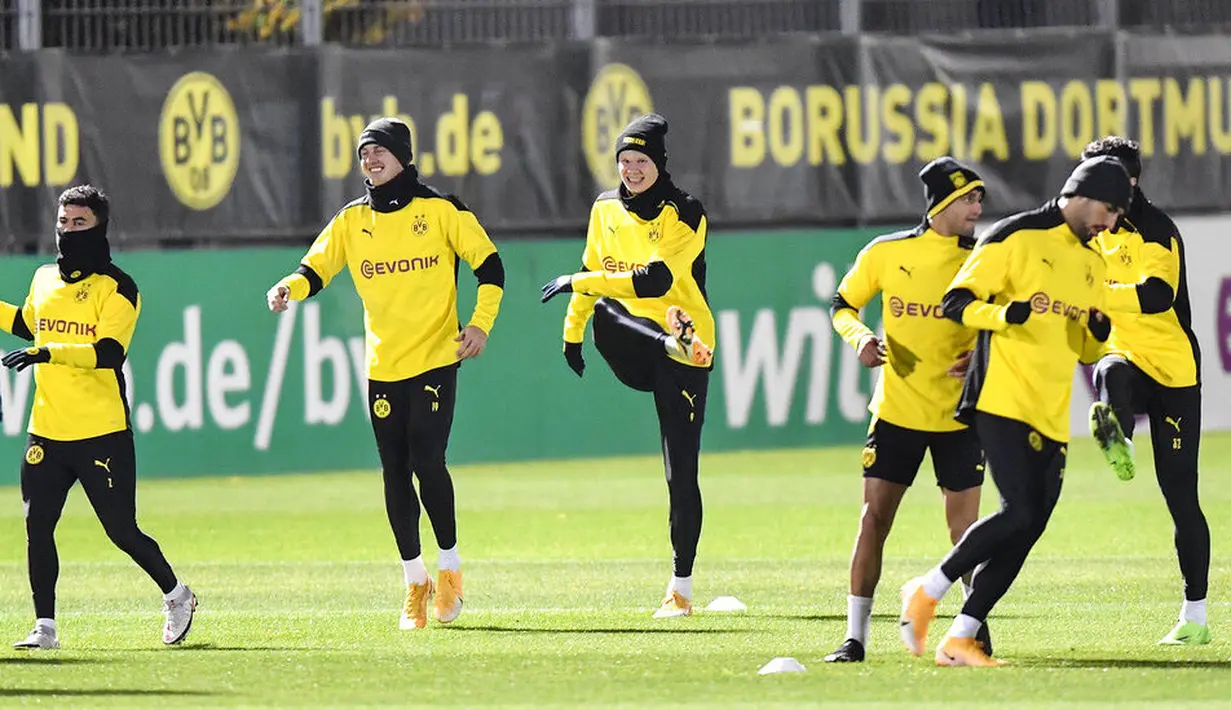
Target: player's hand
{"type": "Point", "coordinates": [21, 359]}
{"type": "Point", "coordinates": [561, 284]}
{"type": "Point", "coordinates": [572, 355]}
{"type": "Point", "coordinates": [1099, 325]}
{"type": "Point", "coordinates": [473, 340]}
{"type": "Point", "coordinates": [1017, 312]}
{"type": "Point", "coordinates": [279, 298]}
{"type": "Point", "coordinates": [872, 352]}
{"type": "Point", "coordinates": [962, 365]}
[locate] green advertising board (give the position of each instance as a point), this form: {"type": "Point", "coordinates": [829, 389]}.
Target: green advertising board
{"type": "Point", "coordinates": [221, 386]}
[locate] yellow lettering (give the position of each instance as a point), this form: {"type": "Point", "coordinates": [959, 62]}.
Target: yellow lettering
{"type": "Point", "coordinates": [1145, 91]}
{"type": "Point", "coordinates": [747, 116]}
{"type": "Point", "coordinates": [1184, 118]}
{"type": "Point", "coordinates": [930, 118]}
{"type": "Point", "coordinates": [786, 126]}
{"type": "Point", "coordinates": [19, 145]}
{"type": "Point", "coordinates": [897, 124]}
{"type": "Point", "coordinates": [486, 140]}
{"type": "Point", "coordinates": [862, 148]}
{"type": "Point", "coordinates": [958, 107]}
{"type": "Point", "coordinates": [1038, 120]}
{"type": "Point", "coordinates": [824, 125]}
{"type": "Point", "coordinates": [989, 135]}
{"type": "Point", "coordinates": [1076, 117]}
{"type": "Point", "coordinates": [452, 137]}
{"type": "Point", "coordinates": [1220, 127]}
{"type": "Point", "coordinates": [1112, 104]}
{"type": "Point", "coordinates": [61, 144]}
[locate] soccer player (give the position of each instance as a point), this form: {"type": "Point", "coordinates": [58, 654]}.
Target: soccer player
{"type": "Point", "coordinates": [80, 315]}
{"type": "Point", "coordinates": [402, 242]}
{"type": "Point", "coordinates": [643, 279]}
{"type": "Point", "coordinates": [913, 405]}
{"type": "Point", "coordinates": [1033, 288]}
{"type": "Point", "coordinates": [1152, 365]}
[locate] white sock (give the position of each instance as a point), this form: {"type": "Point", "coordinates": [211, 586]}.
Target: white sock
{"type": "Point", "coordinates": [1132, 453]}
{"type": "Point", "coordinates": [964, 627]}
{"type": "Point", "coordinates": [1193, 611]}
{"type": "Point", "coordinates": [179, 592]}
{"type": "Point", "coordinates": [681, 586]}
{"type": "Point", "coordinates": [414, 571]}
{"type": "Point", "coordinates": [858, 618]}
{"type": "Point", "coordinates": [450, 560]}
{"type": "Point", "coordinates": [936, 584]}
{"type": "Point", "coordinates": [672, 346]}
{"type": "Point", "coordinates": [967, 590]}
{"type": "Point", "coordinates": [46, 624]}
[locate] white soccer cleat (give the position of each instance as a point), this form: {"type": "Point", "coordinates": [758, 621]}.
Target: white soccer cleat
{"type": "Point", "coordinates": [179, 617]}
{"type": "Point", "coordinates": [41, 637]}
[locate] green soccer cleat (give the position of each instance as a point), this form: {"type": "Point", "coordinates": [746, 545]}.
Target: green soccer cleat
{"type": "Point", "coordinates": [1116, 448]}
{"type": "Point", "coordinates": [1187, 633]}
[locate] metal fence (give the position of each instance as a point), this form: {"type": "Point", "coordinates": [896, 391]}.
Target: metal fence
{"type": "Point", "coordinates": [144, 25]}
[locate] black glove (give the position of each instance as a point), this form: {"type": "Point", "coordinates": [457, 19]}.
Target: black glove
{"type": "Point", "coordinates": [1099, 325]}
{"type": "Point", "coordinates": [21, 359]}
{"type": "Point", "coordinates": [1017, 312]}
{"type": "Point", "coordinates": [572, 355]}
{"type": "Point", "coordinates": [561, 284]}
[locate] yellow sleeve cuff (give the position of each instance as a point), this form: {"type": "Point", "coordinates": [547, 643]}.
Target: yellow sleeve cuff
{"type": "Point", "coordinates": [846, 322]}
{"type": "Point", "coordinates": [8, 314]}
{"type": "Point", "coordinates": [601, 283]}
{"type": "Point", "coordinates": [298, 284]}
{"type": "Point", "coordinates": [487, 307]}
{"type": "Point", "coordinates": [985, 316]}
{"type": "Point", "coordinates": [73, 355]}
{"type": "Point", "coordinates": [580, 308]}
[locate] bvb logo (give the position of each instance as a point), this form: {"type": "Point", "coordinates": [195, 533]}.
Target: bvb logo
{"type": "Point", "coordinates": [82, 294]}
{"type": "Point", "coordinates": [1036, 441]}
{"type": "Point", "coordinates": [381, 408]}
{"type": "Point", "coordinates": [617, 96]}
{"type": "Point", "coordinates": [655, 233]}
{"type": "Point", "coordinates": [869, 457]}
{"type": "Point", "coordinates": [1126, 258]}
{"type": "Point", "coordinates": [420, 226]}
{"type": "Point", "coordinates": [958, 179]}
{"type": "Point", "coordinates": [198, 140]}
{"type": "Point", "coordinates": [34, 455]}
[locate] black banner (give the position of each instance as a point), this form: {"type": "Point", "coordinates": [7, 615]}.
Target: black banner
{"type": "Point", "coordinates": [238, 146]}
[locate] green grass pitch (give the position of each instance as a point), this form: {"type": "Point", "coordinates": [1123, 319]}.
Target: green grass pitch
{"type": "Point", "coordinates": [565, 561]}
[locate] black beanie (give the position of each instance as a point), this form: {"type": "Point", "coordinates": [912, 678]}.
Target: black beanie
{"type": "Point", "coordinates": [645, 134]}
{"type": "Point", "coordinates": [1102, 178]}
{"type": "Point", "coordinates": [390, 133]}
{"type": "Point", "coordinates": [944, 181]}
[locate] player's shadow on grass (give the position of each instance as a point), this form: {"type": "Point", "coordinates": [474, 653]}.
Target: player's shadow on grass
{"type": "Point", "coordinates": [651, 630]}
{"type": "Point", "coordinates": [101, 692]}
{"type": "Point", "coordinates": [45, 661]}
{"type": "Point", "coordinates": [881, 617]}
{"type": "Point", "coordinates": [1096, 663]}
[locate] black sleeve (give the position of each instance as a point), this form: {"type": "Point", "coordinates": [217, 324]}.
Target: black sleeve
{"type": "Point", "coordinates": [955, 302]}
{"type": "Point", "coordinates": [653, 280]}
{"type": "Point", "coordinates": [20, 329]}
{"type": "Point", "coordinates": [837, 303]}
{"type": "Point", "coordinates": [314, 280]}
{"type": "Point", "coordinates": [108, 354]}
{"type": "Point", "coordinates": [1155, 295]}
{"type": "Point", "coordinates": [491, 271]}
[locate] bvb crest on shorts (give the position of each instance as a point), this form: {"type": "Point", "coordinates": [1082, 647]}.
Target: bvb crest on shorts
{"type": "Point", "coordinates": [381, 408]}
{"type": "Point", "coordinates": [869, 456]}
{"type": "Point", "coordinates": [34, 455]}
{"type": "Point", "coordinates": [1036, 441]}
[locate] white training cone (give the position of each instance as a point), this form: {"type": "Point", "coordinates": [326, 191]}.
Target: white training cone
{"type": "Point", "coordinates": [782, 665]}
{"type": "Point", "coordinates": [726, 604]}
